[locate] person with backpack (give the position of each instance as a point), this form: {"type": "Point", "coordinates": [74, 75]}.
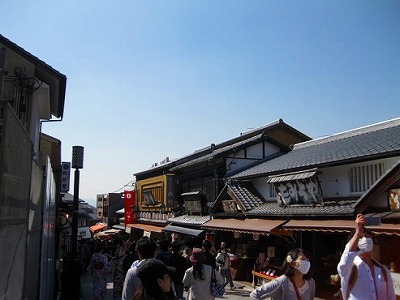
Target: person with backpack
{"type": "Point", "coordinates": [362, 277]}
{"type": "Point", "coordinates": [224, 264]}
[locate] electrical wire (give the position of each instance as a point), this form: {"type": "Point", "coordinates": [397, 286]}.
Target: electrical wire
{"type": "Point", "coordinates": [130, 183]}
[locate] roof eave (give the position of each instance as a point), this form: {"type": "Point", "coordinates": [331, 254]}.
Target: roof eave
{"type": "Point", "coordinates": [43, 71]}
{"type": "Point", "coordinates": [321, 165]}
{"type": "Point", "coordinates": [385, 182]}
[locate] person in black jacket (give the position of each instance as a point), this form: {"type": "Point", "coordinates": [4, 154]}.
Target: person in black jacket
{"type": "Point", "coordinates": [130, 257]}
{"type": "Point", "coordinates": [177, 261]}
{"type": "Point", "coordinates": [208, 252]}
{"type": "Point", "coordinates": [163, 251]}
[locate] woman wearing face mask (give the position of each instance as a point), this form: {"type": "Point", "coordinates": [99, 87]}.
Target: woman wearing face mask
{"type": "Point", "coordinates": [295, 283]}
{"type": "Point", "coordinates": [362, 277]}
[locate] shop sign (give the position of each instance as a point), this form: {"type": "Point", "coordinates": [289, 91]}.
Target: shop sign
{"type": "Point", "coordinates": [305, 191]}
{"type": "Point", "coordinates": [65, 176]}
{"type": "Point", "coordinates": [229, 206]}
{"type": "Point", "coordinates": [99, 208]}
{"type": "Point", "coordinates": [396, 282]}
{"type": "Point", "coordinates": [129, 201]}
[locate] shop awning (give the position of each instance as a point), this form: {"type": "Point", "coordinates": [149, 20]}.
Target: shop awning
{"type": "Point", "coordinates": [111, 231]}
{"type": "Point", "coordinates": [338, 226]}
{"type": "Point", "coordinates": [386, 229]}
{"type": "Point", "coordinates": [292, 176]}
{"type": "Point", "coordinates": [191, 193]}
{"type": "Point", "coordinates": [120, 227]}
{"type": "Point", "coordinates": [146, 227]}
{"type": "Point", "coordinates": [183, 230]}
{"type": "Point", "coordinates": [244, 226]}
{"type": "Point", "coordinates": [320, 225]}
{"type": "Point", "coordinates": [120, 211]}
{"type": "Point", "coordinates": [97, 227]}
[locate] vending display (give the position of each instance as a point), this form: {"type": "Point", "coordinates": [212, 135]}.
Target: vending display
{"type": "Point", "coordinates": [264, 269]}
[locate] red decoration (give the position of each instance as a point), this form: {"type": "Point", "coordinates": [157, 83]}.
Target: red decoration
{"type": "Point", "coordinates": [129, 201]}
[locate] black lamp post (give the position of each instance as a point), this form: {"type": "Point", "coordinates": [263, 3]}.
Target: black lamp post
{"type": "Point", "coordinates": [77, 163]}
{"type": "Point", "coordinates": [72, 267]}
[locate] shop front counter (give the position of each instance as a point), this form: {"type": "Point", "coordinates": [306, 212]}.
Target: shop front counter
{"type": "Point", "coordinates": [259, 277]}
{"type": "Point", "coordinates": [244, 267]}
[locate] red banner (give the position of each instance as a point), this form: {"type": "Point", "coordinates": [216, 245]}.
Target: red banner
{"type": "Point", "coordinates": [129, 201]}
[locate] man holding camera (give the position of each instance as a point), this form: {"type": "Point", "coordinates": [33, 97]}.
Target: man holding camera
{"type": "Point", "coordinates": [362, 277]}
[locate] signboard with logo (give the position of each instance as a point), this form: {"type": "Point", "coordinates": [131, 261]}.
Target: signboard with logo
{"type": "Point", "coordinates": [304, 191]}
{"type": "Point", "coordinates": [99, 206]}
{"type": "Point", "coordinates": [129, 201]}
{"type": "Point", "coordinates": [229, 206]}
{"type": "Point", "coordinates": [65, 176]}
{"type": "Point", "coordinates": [84, 232]}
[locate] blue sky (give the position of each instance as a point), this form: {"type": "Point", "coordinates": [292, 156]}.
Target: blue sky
{"type": "Point", "coordinates": [151, 79]}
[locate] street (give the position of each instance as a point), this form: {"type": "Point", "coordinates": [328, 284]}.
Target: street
{"type": "Point", "coordinates": [242, 290]}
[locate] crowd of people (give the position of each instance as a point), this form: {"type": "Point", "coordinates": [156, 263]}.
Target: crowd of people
{"type": "Point", "coordinates": [142, 269]}
{"type": "Point", "coordinates": [150, 270]}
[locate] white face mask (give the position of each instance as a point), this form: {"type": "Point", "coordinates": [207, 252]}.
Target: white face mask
{"type": "Point", "coordinates": [365, 244]}
{"type": "Point", "coordinates": [304, 266]}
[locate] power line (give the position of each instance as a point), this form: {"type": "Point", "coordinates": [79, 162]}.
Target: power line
{"type": "Point", "coordinates": [122, 188]}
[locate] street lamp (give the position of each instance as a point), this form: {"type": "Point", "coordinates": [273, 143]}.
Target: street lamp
{"type": "Point", "coordinates": [72, 267]}
{"type": "Point", "coordinates": [77, 163]}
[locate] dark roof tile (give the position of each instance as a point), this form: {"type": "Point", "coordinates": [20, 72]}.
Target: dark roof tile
{"type": "Point", "coordinates": [329, 209]}
{"type": "Point", "coordinates": [246, 197]}
{"type": "Point", "coordinates": [358, 144]}
{"type": "Point", "coordinates": [189, 220]}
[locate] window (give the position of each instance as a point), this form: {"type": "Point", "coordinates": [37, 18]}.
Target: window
{"type": "Point", "coordinates": [148, 198]}
{"type": "Point", "coordinates": [362, 177]}
{"type": "Point", "coordinates": [272, 191]}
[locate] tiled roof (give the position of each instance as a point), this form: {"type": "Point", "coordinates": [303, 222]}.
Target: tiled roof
{"type": "Point", "coordinates": [247, 198]}
{"type": "Point", "coordinates": [330, 209]}
{"type": "Point", "coordinates": [189, 220]}
{"type": "Point", "coordinates": [377, 140]}
{"type": "Point", "coordinates": [220, 151]}
{"type": "Point", "coordinates": [215, 149]}
{"type": "Point", "coordinates": [152, 221]}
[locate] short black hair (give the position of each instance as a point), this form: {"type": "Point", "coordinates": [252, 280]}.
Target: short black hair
{"type": "Point", "coordinates": [152, 268]}
{"type": "Point", "coordinates": [146, 247]}
{"type": "Point", "coordinates": [99, 247]}
{"type": "Point", "coordinates": [164, 245]}
{"type": "Point", "coordinates": [175, 247]}
{"type": "Point", "coordinates": [207, 245]}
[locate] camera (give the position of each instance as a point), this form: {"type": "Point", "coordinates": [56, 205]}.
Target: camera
{"type": "Point", "coordinates": [372, 220]}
